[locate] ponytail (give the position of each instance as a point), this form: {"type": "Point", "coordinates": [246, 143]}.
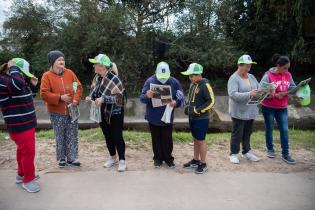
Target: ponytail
{"type": "Point", "coordinates": [114, 68]}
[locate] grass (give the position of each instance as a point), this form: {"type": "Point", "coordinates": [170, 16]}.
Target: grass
{"type": "Point", "coordinates": [298, 138]}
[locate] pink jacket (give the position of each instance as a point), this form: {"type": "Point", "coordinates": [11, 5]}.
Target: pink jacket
{"type": "Point", "coordinates": [283, 82]}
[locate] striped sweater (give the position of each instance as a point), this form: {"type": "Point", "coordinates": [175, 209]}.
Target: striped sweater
{"type": "Point", "coordinates": [16, 101]}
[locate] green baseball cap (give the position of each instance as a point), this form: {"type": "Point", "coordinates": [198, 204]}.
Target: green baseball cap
{"type": "Point", "coordinates": [162, 70]}
{"type": "Point", "coordinates": [101, 59]}
{"type": "Point", "coordinates": [193, 68]}
{"type": "Point", "coordinates": [23, 65]}
{"type": "Point", "coordinates": [304, 95]}
{"type": "Point", "coordinates": [245, 59]}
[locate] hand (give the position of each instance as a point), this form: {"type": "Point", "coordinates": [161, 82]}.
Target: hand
{"type": "Point", "coordinates": [150, 94]}
{"type": "Point", "coordinates": [34, 81]}
{"type": "Point", "coordinates": [88, 99]}
{"type": "Point", "coordinates": [74, 102]}
{"type": "Point", "coordinates": [173, 104]}
{"type": "Point", "coordinates": [98, 101]}
{"type": "Point", "coordinates": [279, 95]}
{"type": "Point", "coordinates": [253, 92]}
{"type": "Point", "coordinates": [66, 98]}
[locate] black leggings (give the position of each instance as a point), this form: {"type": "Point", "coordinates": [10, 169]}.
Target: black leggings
{"type": "Point", "coordinates": [113, 135]}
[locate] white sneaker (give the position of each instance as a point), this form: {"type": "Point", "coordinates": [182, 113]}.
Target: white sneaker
{"type": "Point", "coordinates": [250, 156]}
{"type": "Point", "coordinates": [110, 162]}
{"type": "Point", "coordinates": [234, 159]}
{"type": "Point", "coordinates": [122, 166]}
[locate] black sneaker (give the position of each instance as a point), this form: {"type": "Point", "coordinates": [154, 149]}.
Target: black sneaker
{"type": "Point", "coordinates": [192, 164]}
{"type": "Point", "coordinates": [74, 163]}
{"type": "Point", "coordinates": [157, 163]}
{"type": "Point", "coordinates": [288, 159]}
{"type": "Point", "coordinates": [62, 163]}
{"type": "Point", "coordinates": [170, 164]}
{"type": "Point", "coordinates": [202, 168]}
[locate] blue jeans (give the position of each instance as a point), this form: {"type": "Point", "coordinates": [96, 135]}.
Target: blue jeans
{"type": "Point", "coordinates": [281, 116]}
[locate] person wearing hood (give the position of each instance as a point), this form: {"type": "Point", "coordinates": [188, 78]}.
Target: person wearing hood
{"type": "Point", "coordinates": [17, 107]}
{"type": "Point", "coordinates": [275, 105]}
{"type": "Point", "coordinates": [59, 88]}
{"type": "Point", "coordinates": [162, 128]}
{"type": "Point", "coordinates": [200, 102]}
{"type": "Point", "coordinates": [241, 87]}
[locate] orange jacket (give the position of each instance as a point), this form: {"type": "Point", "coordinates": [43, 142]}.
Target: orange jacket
{"type": "Point", "coordinates": [53, 86]}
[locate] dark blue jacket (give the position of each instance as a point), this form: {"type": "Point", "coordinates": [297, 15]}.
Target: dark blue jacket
{"type": "Point", "coordinates": [154, 115]}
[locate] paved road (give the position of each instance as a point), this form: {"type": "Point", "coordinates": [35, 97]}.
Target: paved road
{"type": "Point", "coordinates": [161, 190]}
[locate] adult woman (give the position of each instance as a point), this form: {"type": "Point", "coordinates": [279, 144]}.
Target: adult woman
{"type": "Point", "coordinates": [242, 86]}
{"type": "Point", "coordinates": [275, 106]}
{"type": "Point", "coordinates": [59, 88]}
{"type": "Point", "coordinates": [108, 92]}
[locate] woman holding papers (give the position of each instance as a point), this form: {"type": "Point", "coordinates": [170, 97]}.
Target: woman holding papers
{"type": "Point", "coordinates": [275, 106]}
{"type": "Point", "coordinates": [109, 93]}
{"type": "Point", "coordinates": [241, 87]}
{"type": "Point", "coordinates": [60, 88]}
{"type": "Point", "coordinates": [161, 93]}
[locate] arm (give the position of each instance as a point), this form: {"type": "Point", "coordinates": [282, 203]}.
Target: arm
{"type": "Point", "coordinates": [143, 96]}
{"type": "Point", "coordinates": [180, 97]}
{"type": "Point", "coordinates": [292, 83]}
{"type": "Point", "coordinates": [46, 94]}
{"type": "Point", "coordinates": [17, 82]}
{"type": "Point", "coordinates": [208, 95]}
{"type": "Point", "coordinates": [234, 94]}
{"type": "Point", "coordinates": [77, 96]}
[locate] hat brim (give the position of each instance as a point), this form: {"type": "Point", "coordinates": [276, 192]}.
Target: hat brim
{"type": "Point", "coordinates": [92, 60]}
{"type": "Point", "coordinates": [28, 74]}
{"type": "Point", "coordinates": [186, 73]}
{"type": "Point", "coordinates": [247, 63]}
{"type": "Point", "coordinates": [163, 76]}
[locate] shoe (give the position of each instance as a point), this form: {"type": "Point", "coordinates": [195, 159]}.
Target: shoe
{"type": "Point", "coordinates": [192, 164]}
{"type": "Point", "coordinates": [288, 159]}
{"type": "Point", "coordinates": [157, 163]}
{"type": "Point", "coordinates": [62, 163]}
{"type": "Point", "coordinates": [31, 187]}
{"type": "Point", "coordinates": [202, 168]}
{"type": "Point", "coordinates": [122, 166]}
{"type": "Point", "coordinates": [110, 162]}
{"type": "Point", "coordinates": [75, 163]}
{"type": "Point", "coordinates": [19, 179]}
{"type": "Point", "coordinates": [234, 159]}
{"type": "Point", "coordinates": [271, 154]}
{"type": "Point", "coordinates": [250, 156]}
{"type": "Point", "coordinates": [170, 164]}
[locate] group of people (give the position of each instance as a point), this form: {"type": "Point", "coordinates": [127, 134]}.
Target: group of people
{"type": "Point", "coordinates": [60, 88]}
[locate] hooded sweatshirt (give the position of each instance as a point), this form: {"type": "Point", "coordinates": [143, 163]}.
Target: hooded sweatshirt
{"type": "Point", "coordinates": [284, 82]}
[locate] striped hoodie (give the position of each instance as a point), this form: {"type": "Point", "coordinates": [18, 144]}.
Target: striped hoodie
{"type": "Point", "coordinates": [16, 101]}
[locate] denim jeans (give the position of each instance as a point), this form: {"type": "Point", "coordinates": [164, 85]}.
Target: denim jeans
{"type": "Point", "coordinates": [281, 116]}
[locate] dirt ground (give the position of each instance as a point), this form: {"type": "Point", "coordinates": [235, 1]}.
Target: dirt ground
{"type": "Point", "coordinates": [139, 158]}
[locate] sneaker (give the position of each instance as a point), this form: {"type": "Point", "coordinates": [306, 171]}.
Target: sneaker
{"type": "Point", "coordinates": [62, 163]}
{"type": "Point", "coordinates": [110, 162]}
{"type": "Point", "coordinates": [202, 168]}
{"type": "Point", "coordinates": [19, 179]}
{"type": "Point", "coordinates": [122, 166]}
{"type": "Point", "coordinates": [250, 156]}
{"type": "Point", "coordinates": [192, 164]}
{"type": "Point", "coordinates": [75, 163]}
{"type": "Point", "coordinates": [31, 187]}
{"type": "Point", "coordinates": [271, 154]}
{"type": "Point", "coordinates": [234, 159]}
{"type": "Point", "coordinates": [170, 164]}
{"type": "Point", "coordinates": [288, 159]}
{"type": "Point", "coordinates": [157, 163]}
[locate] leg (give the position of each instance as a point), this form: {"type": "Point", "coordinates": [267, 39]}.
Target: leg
{"type": "Point", "coordinates": [282, 122]}
{"type": "Point", "coordinates": [71, 140]}
{"type": "Point", "coordinates": [166, 143]}
{"type": "Point", "coordinates": [117, 123]}
{"type": "Point", "coordinates": [196, 150]}
{"type": "Point", "coordinates": [237, 135]}
{"type": "Point", "coordinates": [269, 115]}
{"type": "Point", "coordinates": [156, 136]}
{"type": "Point", "coordinates": [247, 132]}
{"type": "Point", "coordinates": [58, 123]}
{"type": "Point", "coordinates": [108, 138]}
{"type": "Point", "coordinates": [202, 150]}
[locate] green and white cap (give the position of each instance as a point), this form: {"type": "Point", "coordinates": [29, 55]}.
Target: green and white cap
{"type": "Point", "coordinates": [245, 59]}
{"type": "Point", "coordinates": [23, 65]}
{"type": "Point", "coordinates": [162, 71]}
{"type": "Point", "coordinates": [304, 95]}
{"type": "Point", "coordinates": [193, 68]}
{"type": "Point", "coordinates": [101, 59]}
